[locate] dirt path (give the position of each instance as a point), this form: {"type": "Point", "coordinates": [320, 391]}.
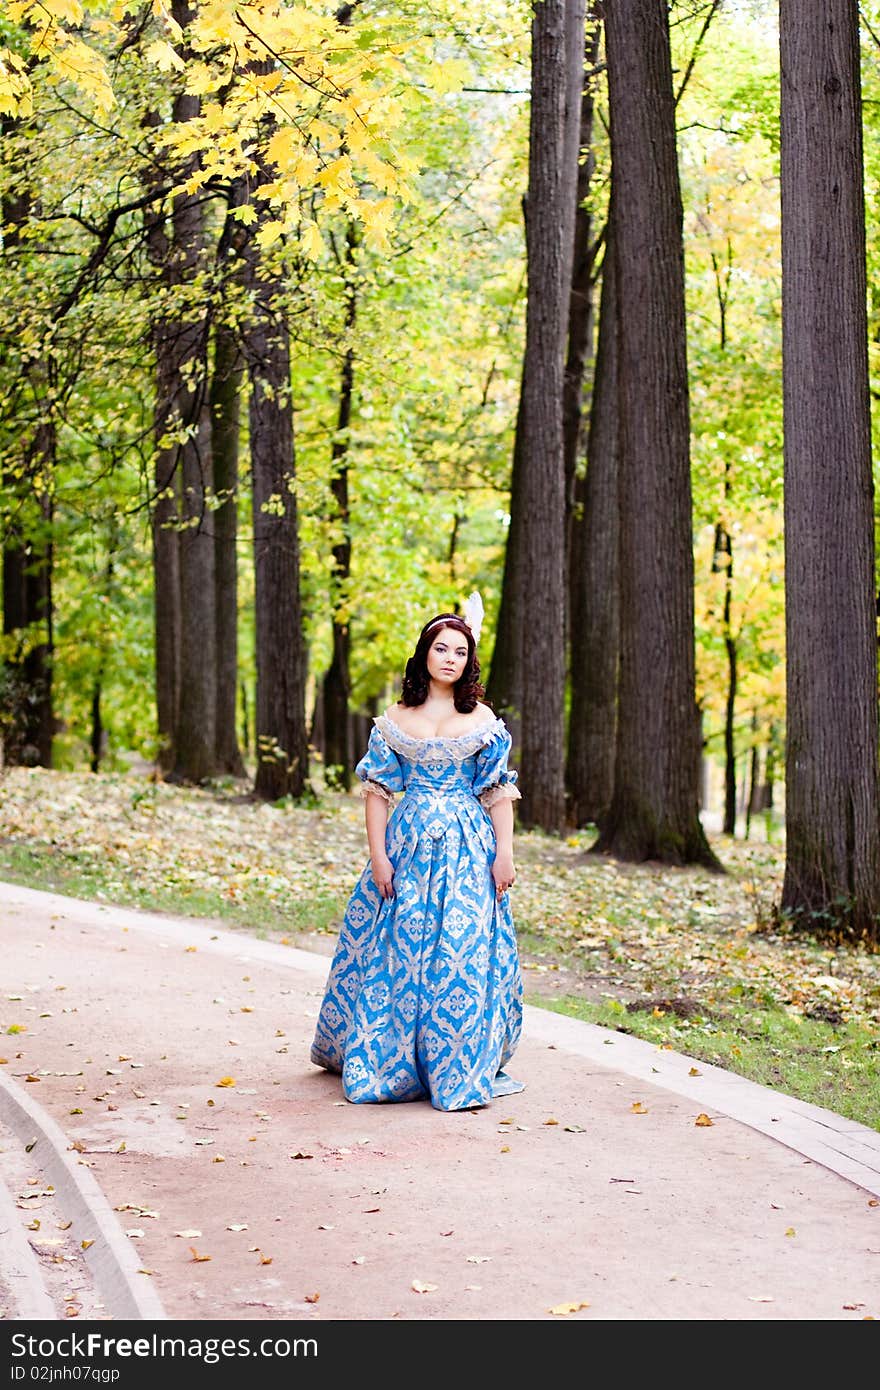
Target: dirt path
{"type": "Point", "coordinates": [274, 1198]}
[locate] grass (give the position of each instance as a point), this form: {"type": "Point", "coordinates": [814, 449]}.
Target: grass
{"type": "Point", "coordinates": [677, 956]}
{"type": "Point", "coordinates": [82, 876]}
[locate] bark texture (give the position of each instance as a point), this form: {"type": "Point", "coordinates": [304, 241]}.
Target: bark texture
{"type": "Point", "coordinates": [595, 581]}
{"type": "Point", "coordinates": [337, 722]}
{"type": "Point", "coordinates": [557, 48]}
{"type": "Point", "coordinates": [27, 720]}
{"type": "Point", "coordinates": [280, 726]}
{"type": "Point", "coordinates": [226, 383]}
{"type": "Point", "coordinates": [654, 812]}
{"type": "Point", "coordinates": [832, 873]}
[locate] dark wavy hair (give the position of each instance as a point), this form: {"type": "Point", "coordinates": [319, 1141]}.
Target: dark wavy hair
{"type": "Point", "coordinates": [467, 690]}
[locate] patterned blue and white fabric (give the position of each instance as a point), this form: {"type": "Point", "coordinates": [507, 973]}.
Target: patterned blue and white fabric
{"type": "Point", "coordinates": [424, 996]}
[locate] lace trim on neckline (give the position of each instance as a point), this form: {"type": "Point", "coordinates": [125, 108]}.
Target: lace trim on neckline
{"type": "Point", "coordinates": [459, 745]}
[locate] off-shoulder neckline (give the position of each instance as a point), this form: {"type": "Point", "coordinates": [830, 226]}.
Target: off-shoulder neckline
{"type": "Point", "coordinates": [436, 738]}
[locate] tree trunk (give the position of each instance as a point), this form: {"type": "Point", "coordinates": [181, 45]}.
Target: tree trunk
{"type": "Point", "coordinates": [27, 717]}
{"type": "Point", "coordinates": [832, 870]}
{"type": "Point", "coordinates": [225, 411]}
{"type": "Point", "coordinates": [27, 605]}
{"type": "Point", "coordinates": [595, 585]}
{"type": "Point", "coordinates": [723, 561]}
{"type": "Point", "coordinates": [580, 303]}
{"type": "Point", "coordinates": [654, 812]}
{"type": "Point", "coordinates": [504, 682]}
{"type": "Point", "coordinates": [280, 721]}
{"type": "Point", "coordinates": [337, 723]}
{"type": "Point", "coordinates": [183, 544]}
{"type": "Point", "coordinates": [553, 147]}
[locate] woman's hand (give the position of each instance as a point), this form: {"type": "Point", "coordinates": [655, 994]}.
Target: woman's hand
{"type": "Point", "coordinates": [383, 874]}
{"type": "Point", "coordinates": [503, 872]}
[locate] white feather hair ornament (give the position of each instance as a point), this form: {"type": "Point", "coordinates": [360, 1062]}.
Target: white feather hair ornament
{"type": "Point", "coordinates": [473, 614]}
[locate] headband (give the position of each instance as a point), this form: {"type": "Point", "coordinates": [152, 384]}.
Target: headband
{"type": "Point", "coordinates": [472, 616]}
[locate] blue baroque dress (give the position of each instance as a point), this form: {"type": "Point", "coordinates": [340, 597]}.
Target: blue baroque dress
{"type": "Point", "coordinates": [424, 996]}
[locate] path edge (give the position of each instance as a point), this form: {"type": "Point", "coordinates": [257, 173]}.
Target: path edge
{"type": "Point", "coordinates": [111, 1258]}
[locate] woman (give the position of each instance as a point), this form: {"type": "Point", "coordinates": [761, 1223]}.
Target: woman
{"type": "Point", "coordinates": [424, 997]}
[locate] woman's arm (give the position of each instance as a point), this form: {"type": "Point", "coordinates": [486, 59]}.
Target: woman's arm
{"type": "Point", "coordinates": [503, 871]}
{"type": "Point", "coordinates": [376, 818]}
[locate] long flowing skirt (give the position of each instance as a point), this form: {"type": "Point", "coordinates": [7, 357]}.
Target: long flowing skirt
{"type": "Point", "coordinates": [424, 996]}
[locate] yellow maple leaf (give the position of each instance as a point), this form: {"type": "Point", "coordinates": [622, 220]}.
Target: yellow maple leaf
{"type": "Point", "coordinates": [703, 1121]}
{"type": "Point", "coordinates": [562, 1310]}
{"type": "Point", "coordinates": [164, 56]}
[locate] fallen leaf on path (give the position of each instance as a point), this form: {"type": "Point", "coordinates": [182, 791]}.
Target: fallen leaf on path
{"type": "Point", "coordinates": [136, 1233]}
{"type": "Point", "coordinates": [791, 1231]}
{"type": "Point", "coordinates": [226, 1081]}
{"type": "Point", "coordinates": [694, 1072]}
{"type": "Point", "coordinates": [418, 1286]}
{"type": "Point", "coordinates": [851, 1307]}
{"type": "Point", "coordinates": [505, 1149]}
{"type": "Point", "coordinates": [265, 1259]}
{"type": "Point", "coordinates": [359, 1260]}
{"type": "Point", "coordinates": [196, 1257]}
{"type": "Point", "coordinates": [638, 1109]}
{"type": "Point", "coordinates": [759, 1298]}
{"type": "Point", "coordinates": [478, 1259]}
{"type": "Point", "coordinates": [33, 1225]}
{"type": "Point", "coordinates": [703, 1121]}
{"type": "Point", "coordinates": [218, 1158]}
{"type": "Point", "coordinates": [84, 1244]}
{"type": "Point", "coordinates": [551, 1121]}
{"type": "Point", "coordinates": [563, 1309]}
{"type": "Point", "coordinates": [188, 1235]}
{"type": "Point", "coordinates": [300, 1154]}
{"type": "Point", "coordinates": [575, 1129]}
{"type": "Point", "coordinates": [312, 1297]}
{"type": "Point", "coordinates": [238, 1226]}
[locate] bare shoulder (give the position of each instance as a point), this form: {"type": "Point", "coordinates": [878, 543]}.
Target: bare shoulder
{"type": "Point", "coordinates": [484, 711]}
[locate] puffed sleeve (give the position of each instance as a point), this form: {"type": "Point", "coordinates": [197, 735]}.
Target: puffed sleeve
{"type": "Point", "coordinates": [493, 779]}
{"type": "Point", "coordinates": [379, 769]}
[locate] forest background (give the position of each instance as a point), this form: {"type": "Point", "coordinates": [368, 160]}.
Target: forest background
{"type": "Point", "coordinates": [399, 266]}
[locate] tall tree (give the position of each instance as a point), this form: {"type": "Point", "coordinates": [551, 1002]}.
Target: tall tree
{"type": "Point", "coordinates": [28, 481]}
{"type": "Point", "coordinates": [595, 579]}
{"type": "Point", "coordinates": [654, 813]}
{"type": "Point", "coordinates": [226, 380]}
{"type": "Point", "coordinates": [832, 871]}
{"type": "Point", "coordinates": [281, 735]}
{"type": "Point", "coordinates": [337, 724]}
{"type": "Point", "coordinates": [557, 79]}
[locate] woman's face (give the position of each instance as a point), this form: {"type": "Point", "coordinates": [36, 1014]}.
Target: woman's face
{"type": "Point", "coordinates": [447, 656]}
